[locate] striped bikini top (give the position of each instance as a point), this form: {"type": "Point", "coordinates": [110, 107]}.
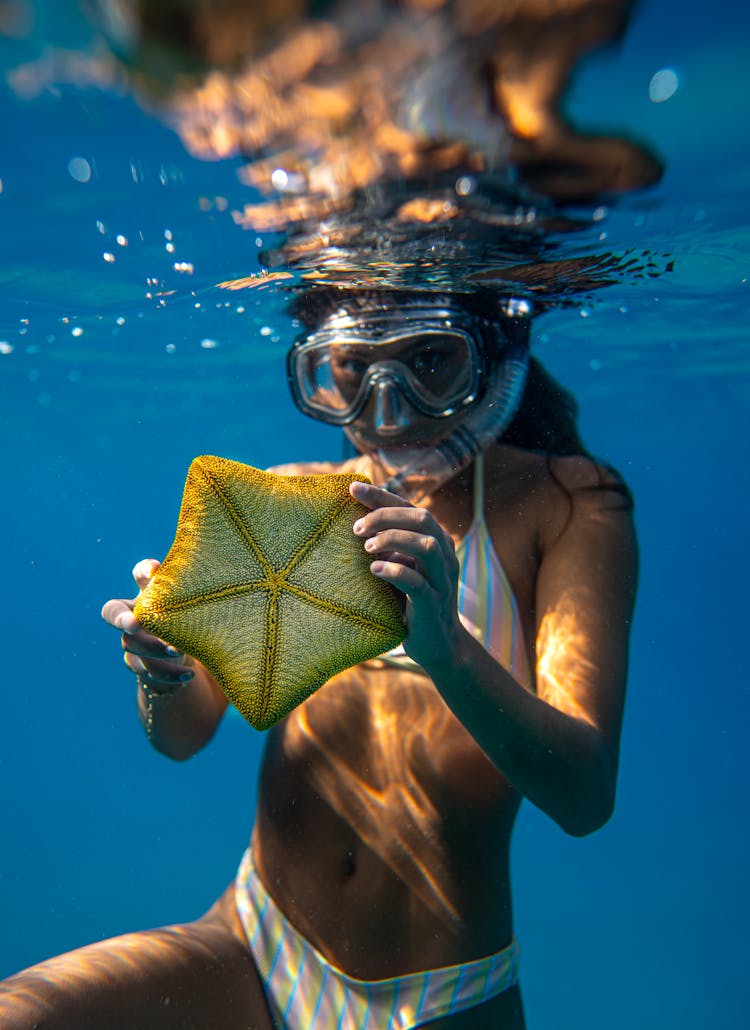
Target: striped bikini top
{"type": "Point", "coordinates": [486, 603]}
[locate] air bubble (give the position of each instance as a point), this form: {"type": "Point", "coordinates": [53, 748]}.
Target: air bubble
{"type": "Point", "coordinates": [663, 85]}
{"type": "Point", "coordinates": [79, 169]}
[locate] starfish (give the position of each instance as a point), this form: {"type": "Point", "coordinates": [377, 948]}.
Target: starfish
{"type": "Point", "coordinates": [268, 587]}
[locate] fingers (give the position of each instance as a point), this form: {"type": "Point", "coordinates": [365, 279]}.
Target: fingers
{"type": "Point", "coordinates": [145, 645]}
{"type": "Point", "coordinates": [119, 613]}
{"type": "Point", "coordinates": [165, 673]}
{"type": "Point", "coordinates": [399, 534]}
{"type": "Point", "coordinates": [144, 570]}
{"type": "Point", "coordinates": [389, 510]}
{"type": "Point", "coordinates": [375, 496]}
{"type": "Point", "coordinates": [412, 522]}
{"type": "Point", "coordinates": [426, 554]}
{"type": "Point", "coordinates": [154, 661]}
{"type": "Point", "coordinates": [398, 557]}
{"type": "Point", "coordinates": [406, 579]}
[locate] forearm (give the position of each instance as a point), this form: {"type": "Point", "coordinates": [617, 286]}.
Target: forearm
{"type": "Point", "coordinates": [558, 761]}
{"type": "Point", "coordinates": [181, 722]}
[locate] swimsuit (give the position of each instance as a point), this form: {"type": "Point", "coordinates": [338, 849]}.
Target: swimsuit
{"type": "Point", "coordinates": [307, 992]}
{"type": "Point", "coordinates": [486, 603]}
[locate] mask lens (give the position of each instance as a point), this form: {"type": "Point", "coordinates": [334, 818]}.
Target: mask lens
{"type": "Point", "coordinates": [330, 378]}
{"type": "Point", "coordinates": [435, 369]}
{"type": "Point", "coordinates": [441, 367]}
{"type": "Point", "coordinates": [350, 364]}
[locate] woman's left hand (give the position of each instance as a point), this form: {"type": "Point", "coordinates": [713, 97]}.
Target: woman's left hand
{"type": "Point", "coordinates": [413, 553]}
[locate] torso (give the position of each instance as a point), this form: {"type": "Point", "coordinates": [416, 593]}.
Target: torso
{"type": "Point", "coordinates": [382, 830]}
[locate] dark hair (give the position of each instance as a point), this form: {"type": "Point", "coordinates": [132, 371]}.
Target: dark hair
{"type": "Point", "coordinates": [547, 419]}
{"type": "Point", "coordinates": [547, 423]}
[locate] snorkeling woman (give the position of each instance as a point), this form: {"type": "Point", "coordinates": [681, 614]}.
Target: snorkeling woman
{"type": "Point", "coordinates": [375, 892]}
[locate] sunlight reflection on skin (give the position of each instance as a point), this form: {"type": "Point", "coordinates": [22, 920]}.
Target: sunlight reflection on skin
{"type": "Point", "coordinates": [122, 960]}
{"type": "Point", "coordinates": [566, 677]}
{"type": "Point", "coordinates": [386, 799]}
{"type": "Point", "coordinates": [193, 974]}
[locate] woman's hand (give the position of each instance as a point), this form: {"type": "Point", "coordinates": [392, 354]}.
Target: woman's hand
{"type": "Point", "coordinates": [156, 663]}
{"type": "Point", "coordinates": [413, 553]}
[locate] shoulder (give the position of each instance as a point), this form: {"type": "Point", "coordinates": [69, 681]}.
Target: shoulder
{"type": "Point", "coordinates": [578, 472]}
{"type": "Point", "coordinates": [598, 510]}
{"type": "Point", "coordinates": [591, 484]}
{"type": "Point", "coordinates": [554, 492]}
{"type": "Point", "coordinates": [575, 477]}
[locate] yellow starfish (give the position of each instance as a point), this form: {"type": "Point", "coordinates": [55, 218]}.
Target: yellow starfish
{"type": "Point", "coordinates": [268, 587]}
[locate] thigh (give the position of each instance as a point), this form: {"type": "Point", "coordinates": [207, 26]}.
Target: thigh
{"type": "Point", "coordinates": [195, 975]}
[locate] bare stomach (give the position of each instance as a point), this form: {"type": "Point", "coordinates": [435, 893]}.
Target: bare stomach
{"type": "Point", "coordinates": [369, 845]}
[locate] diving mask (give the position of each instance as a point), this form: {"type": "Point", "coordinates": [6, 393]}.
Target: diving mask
{"type": "Point", "coordinates": [426, 360]}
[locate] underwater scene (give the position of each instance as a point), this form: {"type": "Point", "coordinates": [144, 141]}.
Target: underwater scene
{"type": "Point", "coordinates": [188, 189]}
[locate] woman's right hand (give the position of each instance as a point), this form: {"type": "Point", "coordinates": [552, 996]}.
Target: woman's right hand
{"type": "Point", "coordinates": [155, 662]}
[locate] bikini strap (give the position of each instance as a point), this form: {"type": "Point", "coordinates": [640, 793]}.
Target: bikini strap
{"type": "Point", "coordinates": [478, 488]}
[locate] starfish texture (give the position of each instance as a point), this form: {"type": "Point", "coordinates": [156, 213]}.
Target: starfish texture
{"type": "Point", "coordinates": [267, 586]}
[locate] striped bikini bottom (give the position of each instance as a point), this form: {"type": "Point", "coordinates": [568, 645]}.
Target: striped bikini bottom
{"type": "Point", "coordinates": [306, 992]}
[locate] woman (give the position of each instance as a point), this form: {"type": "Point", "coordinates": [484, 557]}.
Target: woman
{"type": "Point", "coordinates": [376, 889]}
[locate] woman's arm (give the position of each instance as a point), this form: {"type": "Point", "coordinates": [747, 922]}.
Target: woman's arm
{"type": "Point", "coordinates": [179, 702]}
{"type": "Point", "coordinates": [558, 747]}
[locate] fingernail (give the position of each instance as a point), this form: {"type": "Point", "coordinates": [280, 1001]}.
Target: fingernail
{"type": "Point", "coordinates": [370, 545]}
{"type": "Point", "coordinates": [172, 651]}
{"type": "Point", "coordinates": [357, 527]}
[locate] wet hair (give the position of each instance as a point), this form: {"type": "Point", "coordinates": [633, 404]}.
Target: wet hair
{"type": "Point", "coordinates": [312, 305]}
{"type": "Point", "coordinates": [547, 418]}
{"type": "Point", "coordinates": [547, 423]}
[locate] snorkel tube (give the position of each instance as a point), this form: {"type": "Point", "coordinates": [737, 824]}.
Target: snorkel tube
{"type": "Point", "coordinates": [416, 472]}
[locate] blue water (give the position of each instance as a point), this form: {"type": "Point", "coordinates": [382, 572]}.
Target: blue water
{"type": "Point", "coordinates": [643, 923]}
